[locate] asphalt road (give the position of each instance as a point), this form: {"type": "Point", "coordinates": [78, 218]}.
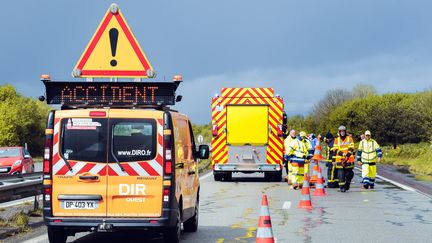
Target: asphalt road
{"type": "Point", "coordinates": [229, 213]}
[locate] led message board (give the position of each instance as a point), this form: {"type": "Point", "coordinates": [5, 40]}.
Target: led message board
{"type": "Point", "coordinates": [110, 93]}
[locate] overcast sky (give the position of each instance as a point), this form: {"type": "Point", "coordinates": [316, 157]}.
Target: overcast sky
{"type": "Point", "coordinates": [300, 48]}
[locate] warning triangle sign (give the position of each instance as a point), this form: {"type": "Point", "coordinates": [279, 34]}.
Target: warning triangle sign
{"type": "Point", "coordinates": [113, 51]}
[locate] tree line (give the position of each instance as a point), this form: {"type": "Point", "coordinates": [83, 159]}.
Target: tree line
{"type": "Point", "coordinates": [22, 120]}
{"type": "Point", "coordinates": [392, 118]}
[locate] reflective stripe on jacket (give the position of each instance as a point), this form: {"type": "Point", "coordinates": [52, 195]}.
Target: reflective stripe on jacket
{"type": "Point", "coordinates": [297, 148]}
{"type": "Point", "coordinates": [342, 147]}
{"type": "Point", "coordinates": [369, 151]}
{"type": "Point", "coordinates": [287, 143]}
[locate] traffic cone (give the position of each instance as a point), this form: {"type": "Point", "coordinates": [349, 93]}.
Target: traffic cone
{"type": "Point", "coordinates": [264, 231]}
{"type": "Point", "coordinates": [314, 177]}
{"type": "Point", "coordinates": [319, 187]}
{"type": "Point", "coordinates": [317, 154]}
{"type": "Point", "coordinates": [305, 200]}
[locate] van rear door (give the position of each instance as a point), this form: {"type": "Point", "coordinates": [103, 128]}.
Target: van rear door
{"type": "Point", "coordinates": [79, 164]}
{"type": "Point", "coordinates": [135, 168]}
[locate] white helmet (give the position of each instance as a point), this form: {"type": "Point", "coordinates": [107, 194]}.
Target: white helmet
{"type": "Point", "coordinates": [342, 128]}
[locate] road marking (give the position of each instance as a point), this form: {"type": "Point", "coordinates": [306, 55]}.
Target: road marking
{"type": "Point", "coordinates": [405, 187]}
{"type": "Point", "coordinates": [206, 175]}
{"type": "Point", "coordinates": [286, 205]}
{"type": "Point", "coordinates": [41, 238]}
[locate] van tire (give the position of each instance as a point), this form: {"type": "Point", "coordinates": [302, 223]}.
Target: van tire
{"type": "Point", "coordinates": [56, 235]}
{"type": "Point", "coordinates": [191, 225]}
{"type": "Point", "coordinates": [172, 235]}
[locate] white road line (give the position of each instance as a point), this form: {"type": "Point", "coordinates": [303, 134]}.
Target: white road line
{"type": "Point", "coordinates": [206, 175]}
{"type": "Point", "coordinates": [41, 238]}
{"type": "Point", "coordinates": [405, 187]}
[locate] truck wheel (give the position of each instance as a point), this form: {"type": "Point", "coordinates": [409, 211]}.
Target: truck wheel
{"type": "Point", "coordinates": [56, 235]}
{"type": "Point", "coordinates": [191, 225]}
{"type": "Point", "coordinates": [173, 234]}
{"type": "Point", "coordinates": [217, 176]}
{"type": "Point", "coordinates": [277, 177]}
{"type": "Point", "coordinates": [227, 176]}
{"type": "Point", "coordinates": [268, 176]}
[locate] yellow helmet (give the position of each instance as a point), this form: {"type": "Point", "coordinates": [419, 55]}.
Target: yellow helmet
{"type": "Point", "coordinates": [303, 134]}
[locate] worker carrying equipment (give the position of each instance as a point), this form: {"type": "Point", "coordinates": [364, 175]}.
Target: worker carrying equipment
{"type": "Point", "coordinates": [287, 164]}
{"type": "Point", "coordinates": [332, 179]}
{"type": "Point", "coordinates": [297, 154]}
{"type": "Point", "coordinates": [368, 154]}
{"type": "Point", "coordinates": [344, 158]}
{"type": "Point", "coordinates": [308, 144]}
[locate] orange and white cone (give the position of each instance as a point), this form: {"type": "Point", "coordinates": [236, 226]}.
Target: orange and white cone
{"type": "Point", "coordinates": [319, 186]}
{"type": "Point", "coordinates": [264, 231]}
{"type": "Point", "coordinates": [314, 176]}
{"type": "Point", "coordinates": [305, 200]}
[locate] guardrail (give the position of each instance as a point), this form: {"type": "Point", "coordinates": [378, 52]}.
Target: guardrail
{"type": "Point", "coordinates": [13, 187]}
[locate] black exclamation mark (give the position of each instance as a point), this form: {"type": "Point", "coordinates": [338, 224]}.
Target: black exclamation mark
{"type": "Point", "coordinates": [113, 35]}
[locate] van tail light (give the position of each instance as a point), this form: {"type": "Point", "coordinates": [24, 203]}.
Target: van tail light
{"type": "Point", "coordinates": [97, 113]}
{"type": "Point", "coordinates": [214, 130]}
{"type": "Point", "coordinates": [47, 193]}
{"type": "Point", "coordinates": [47, 161]}
{"type": "Point", "coordinates": [279, 130]}
{"type": "Point", "coordinates": [168, 167]}
{"type": "Point", "coordinates": [166, 193]}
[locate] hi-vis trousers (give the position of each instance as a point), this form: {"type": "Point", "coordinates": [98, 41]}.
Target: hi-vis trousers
{"type": "Point", "coordinates": [369, 173]}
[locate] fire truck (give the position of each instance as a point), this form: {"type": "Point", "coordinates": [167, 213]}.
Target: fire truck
{"type": "Point", "coordinates": [247, 133]}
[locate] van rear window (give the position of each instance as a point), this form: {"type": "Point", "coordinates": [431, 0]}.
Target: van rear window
{"type": "Point", "coordinates": [84, 139]}
{"type": "Point", "coordinates": [134, 140]}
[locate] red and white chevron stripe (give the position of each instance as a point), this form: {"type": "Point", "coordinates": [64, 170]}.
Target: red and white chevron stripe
{"type": "Point", "coordinates": [145, 168]}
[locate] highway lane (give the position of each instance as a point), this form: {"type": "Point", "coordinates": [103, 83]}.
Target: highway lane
{"type": "Point", "coordinates": [229, 213]}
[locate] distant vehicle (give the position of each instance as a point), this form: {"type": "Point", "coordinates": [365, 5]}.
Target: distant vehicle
{"type": "Point", "coordinates": [15, 160]}
{"type": "Point", "coordinates": [247, 130]}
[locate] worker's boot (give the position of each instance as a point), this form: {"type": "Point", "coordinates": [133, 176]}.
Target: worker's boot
{"type": "Point", "coordinates": [342, 189]}
{"type": "Point", "coordinates": [365, 186]}
{"type": "Point", "coordinates": [372, 186]}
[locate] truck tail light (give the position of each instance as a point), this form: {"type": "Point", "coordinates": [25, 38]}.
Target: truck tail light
{"type": "Point", "coordinates": [279, 130]}
{"type": "Point", "coordinates": [214, 130]}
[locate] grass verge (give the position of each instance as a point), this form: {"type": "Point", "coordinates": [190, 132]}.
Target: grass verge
{"type": "Point", "coordinates": [417, 158]}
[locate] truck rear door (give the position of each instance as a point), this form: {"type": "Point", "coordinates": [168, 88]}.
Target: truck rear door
{"type": "Point", "coordinates": [247, 124]}
{"type": "Point", "coordinates": [79, 164]}
{"type": "Point", "coordinates": [135, 168]}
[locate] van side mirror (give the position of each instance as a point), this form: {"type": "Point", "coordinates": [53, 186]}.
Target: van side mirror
{"type": "Point", "coordinates": [26, 156]}
{"type": "Point", "coordinates": [203, 152]}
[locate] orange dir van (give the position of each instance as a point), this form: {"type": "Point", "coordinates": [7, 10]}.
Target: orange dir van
{"type": "Point", "coordinates": [117, 158]}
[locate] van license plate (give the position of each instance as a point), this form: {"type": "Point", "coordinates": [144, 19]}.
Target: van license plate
{"type": "Point", "coordinates": [3, 169]}
{"type": "Point", "coordinates": [79, 204]}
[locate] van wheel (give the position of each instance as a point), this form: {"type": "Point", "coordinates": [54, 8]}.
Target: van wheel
{"type": "Point", "coordinates": [172, 235]}
{"type": "Point", "coordinates": [56, 235]}
{"type": "Point", "coordinates": [217, 176]}
{"type": "Point", "coordinates": [191, 225]}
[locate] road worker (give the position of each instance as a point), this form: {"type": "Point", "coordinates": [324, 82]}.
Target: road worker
{"type": "Point", "coordinates": [297, 153]}
{"type": "Point", "coordinates": [332, 179]}
{"type": "Point", "coordinates": [368, 154]}
{"type": "Point", "coordinates": [288, 167]}
{"type": "Point", "coordinates": [344, 158]}
{"type": "Point", "coordinates": [310, 149]}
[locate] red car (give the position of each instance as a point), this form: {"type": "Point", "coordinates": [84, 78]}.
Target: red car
{"type": "Point", "coordinates": [15, 160]}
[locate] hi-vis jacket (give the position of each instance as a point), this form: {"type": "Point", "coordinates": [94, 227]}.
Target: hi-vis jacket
{"type": "Point", "coordinates": [287, 143]}
{"type": "Point", "coordinates": [297, 148]}
{"type": "Point", "coordinates": [368, 151]}
{"type": "Point", "coordinates": [309, 147]}
{"type": "Point", "coordinates": [344, 147]}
